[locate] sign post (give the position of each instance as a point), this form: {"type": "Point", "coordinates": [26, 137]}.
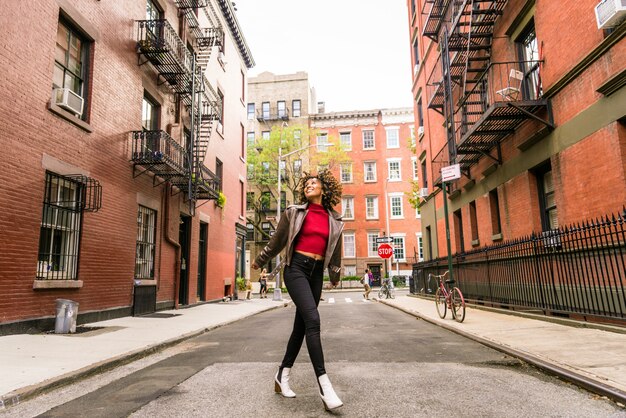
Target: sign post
{"type": "Point", "coordinates": [449, 173]}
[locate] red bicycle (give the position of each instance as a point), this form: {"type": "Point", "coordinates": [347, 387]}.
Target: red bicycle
{"type": "Point", "coordinates": [449, 298]}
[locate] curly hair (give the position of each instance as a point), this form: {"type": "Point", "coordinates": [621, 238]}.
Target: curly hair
{"type": "Point", "coordinates": [331, 188]}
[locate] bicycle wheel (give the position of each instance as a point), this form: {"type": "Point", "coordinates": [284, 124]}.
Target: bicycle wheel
{"type": "Point", "coordinates": [440, 303]}
{"type": "Point", "coordinates": [458, 305]}
{"type": "Point", "coordinates": [381, 292]}
{"type": "Point", "coordinates": [391, 293]}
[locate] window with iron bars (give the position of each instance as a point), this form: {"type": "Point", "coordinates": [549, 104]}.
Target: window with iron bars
{"type": "Point", "coordinates": [146, 233]}
{"type": "Point", "coordinates": [59, 238]}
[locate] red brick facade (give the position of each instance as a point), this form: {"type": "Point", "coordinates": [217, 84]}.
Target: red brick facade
{"type": "Point", "coordinates": [39, 137]}
{"type": "Point", "coordinates": [582, 156]}
{"type": "Point", "coordinates": [404, 224]}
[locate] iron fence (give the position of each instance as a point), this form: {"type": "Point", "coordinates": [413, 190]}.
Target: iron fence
{"type": "Point", "coordinates": [576, 270]}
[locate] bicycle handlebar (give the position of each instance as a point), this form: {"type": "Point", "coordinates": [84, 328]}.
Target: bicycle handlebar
{"type": "Point", "coordinates": [440, 276]}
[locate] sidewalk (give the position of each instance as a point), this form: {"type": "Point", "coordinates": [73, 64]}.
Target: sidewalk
{"type": "Point", "coordinates": [592, 358]}
{"type": "Point", "coordinates": [33, 363]}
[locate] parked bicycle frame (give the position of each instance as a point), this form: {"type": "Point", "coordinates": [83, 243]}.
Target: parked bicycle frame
{"type": "Point", "coordinates": [386, 289]}
{"type": "Point", "coordinates": [449, 298]}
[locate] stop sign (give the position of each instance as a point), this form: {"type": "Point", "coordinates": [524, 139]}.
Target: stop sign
{"type": "Point", "coordinates": [385, 251]}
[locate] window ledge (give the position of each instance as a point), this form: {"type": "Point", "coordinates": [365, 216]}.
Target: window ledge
{"type": "Point", "coordinates": [57, 284]}
{"type": "Point", "coordinates": [69, 117]}
{"type": "Point", "coordinates": [496, 237]}
{"type": "Point", "coordinates": [475, 243]}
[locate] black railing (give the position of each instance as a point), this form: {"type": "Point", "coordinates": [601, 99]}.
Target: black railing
{"type": "Point", "coordinates": [159, 152]}
{"type": "Point", "coordinates": [272, 114]}
{"type": "Point", "coordinates": [577, 270]}
{"type": "Point", "coordinates": [208, 186]}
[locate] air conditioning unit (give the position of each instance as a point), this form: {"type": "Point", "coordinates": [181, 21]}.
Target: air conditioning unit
{"type": "Point", "coordinates": [424, 192]}
{"type": "Point", "coordinates": [420, 131]}
{"type": "Point", "coordinates": [69, 100]}
{"type": "Point", "coordinates": [610, 13]}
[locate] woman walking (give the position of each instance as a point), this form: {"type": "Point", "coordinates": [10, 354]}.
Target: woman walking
{"type": "Point", "coordinates": [311, 234]}
{"type": "Point", "coordinates": [263, 283]}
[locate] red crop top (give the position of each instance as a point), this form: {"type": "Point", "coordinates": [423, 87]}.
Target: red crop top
{"type": "Point", "coordinates": [313, 236]}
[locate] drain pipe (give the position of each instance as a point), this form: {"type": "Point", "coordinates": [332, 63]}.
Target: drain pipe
{"type": "Point", "coordinates": [176, 244]}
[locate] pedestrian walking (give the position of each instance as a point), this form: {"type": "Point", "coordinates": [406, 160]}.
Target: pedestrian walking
{"type": "Point", "coordinates": [366, 282]}
{"type": "Point", "coordinates": [263, 283]}
{"type": "Point", "coordinates": [311, 234]}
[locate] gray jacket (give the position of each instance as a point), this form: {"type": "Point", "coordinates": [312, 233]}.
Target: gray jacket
{"type": "Point", "coordinates": [288, 228]}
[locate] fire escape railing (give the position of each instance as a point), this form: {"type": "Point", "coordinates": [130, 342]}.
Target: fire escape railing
{"type": "Point", "coordinates": [160, 153]}
{"type": "Point", "coordinates": [273, 114]}
{"type": "Point", "coordinates": [183, 71]}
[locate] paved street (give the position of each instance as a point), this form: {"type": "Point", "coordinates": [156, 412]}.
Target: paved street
{"type": "Point", "coordinates": [382, 362]}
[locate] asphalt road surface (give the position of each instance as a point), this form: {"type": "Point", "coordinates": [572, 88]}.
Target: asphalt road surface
{"type": "Point", "coordinates": [382, 362]}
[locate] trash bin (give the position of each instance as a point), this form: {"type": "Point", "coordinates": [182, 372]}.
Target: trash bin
{"type": "Point", "coordinates": [67, 311]}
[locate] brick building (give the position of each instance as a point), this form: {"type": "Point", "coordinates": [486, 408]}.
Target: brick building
{"type": "Point", "coordinates": [376, 186]}
{"type": "Point", "coordinates": [125, 157]}
{"type": "Point", "coordinates": [528, 98]}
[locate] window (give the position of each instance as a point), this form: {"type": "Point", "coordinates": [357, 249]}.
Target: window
{"type": "Point", "coordinates": [395, 201]}
{"type": "Point", "coordinates": [250, 199]}
{"type": "Point", "coordinates": [345, 138]}
{"type": "Point", "coordinates": [349, 250]}
{"type": "Point", "coordinates": [349, 270]}
{"type": "Point", "coordinates": [418, 213]}
{"type": "Point", "coordinates": [266, 110]}
{"type": "Point", "coordinates": [59, 239]}
{"type": "Point", "coordinates": [243, 83]}
{"type": "Point", "coordinates": [424, 176]}
{"type": "Point", "coordinates": [219, 173]}
{"type": "Point", "coordinates": [415, 168]}
{"type": "Point", "coordinates": [322, 142]}
{"type": "Point", "coordinates": [398, 248]}
{"type": "Point", "coordinates": [347, 204]}
{"type": "Point", "coordinates": [266, 198]}
{"type": "Point", "coordinates": [416, 55]}
{"type": "Point", "coordinates": [295, 108]}
{"type": "Point", "coordinates": [420, 249]}
{"type": "Point", "coordinates": [393, 167]}
{"type": "Point", "coordinates": [250, 232]}
{"type": "Point", "coordinates": [70, 61]}
{"type": "Point", "coordinates": [458, 231]}
{"type": "Point", "coordinates": [266, 227]}
{"type": "Point", "coordinates": [250, 171]}
{"type": "Point", "coordinates": [297, 168]}
{"type": "Point", "coordinates": [371, 207]}
{"type": "Point", "coordinates": [297, 138]}
{"type": "Point", "coordinates": [420, 114]}
{"type": "Point", "coordinates": [528, 51]}
{"type": "Point", "coordinates": [412, 129]}
{"type": "Point", "coordinates": [369, 167]}
{"type": "Point", "coordinates": [393, 137]}
{"type": "Point", "coordinates": [265, 135]}
{"type": "Point", "coordinates": [266, 167]}
{"type": "Point", "coordinates": [250, 111]}
{"type": "Point", "coordinates": [494, 208]}
{"type": "Point", "coordinates": [372, 246]}
{"type": "Point", "coordinates": [282, 109]}
{"type": "Point", "coordinates": [473, 222]}
{"type": "Point", "coordinates": [368, 139]}
{"type": "Point", "coordinates": [242, 195]}
{"type": "Point", "coordinates": [346, 172]}
{"type": "Point", "coordinates": [250, 139]}
{"type": "Point", "coordinates": [146, 233]}
{"type": "Point", "coordinates": [547, 203]}
{"type": "Point", "coordinates": [149, 114]}
{"type": "Point", "coordinates": [283, 200]}
{"type": "Point", "coordinates": [243, 142]}
{"type": "Point", "coordinates": [220, 121]}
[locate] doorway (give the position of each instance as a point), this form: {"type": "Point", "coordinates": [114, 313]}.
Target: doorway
{"type": "Point", "coordinates": [184, 233]}
{"type": "Point", "coordinates": [375, 269]}
{"type": "Point", "coordinates": [202, 249]}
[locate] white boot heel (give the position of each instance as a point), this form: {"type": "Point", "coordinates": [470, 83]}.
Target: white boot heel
{"type": "Point", "coordinates": [282, 385]}
{"type": "Point", "coordinates": [329, 397]}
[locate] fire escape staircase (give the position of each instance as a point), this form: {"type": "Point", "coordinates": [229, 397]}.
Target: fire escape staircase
{"type": "Point", "coordinates": [183, 71]}
{"type": "Point", "coordinates": [482, 101]}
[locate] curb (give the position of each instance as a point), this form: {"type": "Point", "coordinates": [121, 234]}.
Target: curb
{"type": "Point", "coordinates": [585, 382]}
{"type": "Point", "coordinates": [19, 395]}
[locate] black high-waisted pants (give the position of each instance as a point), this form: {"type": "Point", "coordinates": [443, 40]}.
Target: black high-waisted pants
{"type": "Point", "coordinates": [303, 279]}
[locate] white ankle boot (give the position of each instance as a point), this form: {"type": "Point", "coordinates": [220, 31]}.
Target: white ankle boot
{"type": "Point", "coordinates": [329, 397]}
{"type": "Point", "coordinates": [282, 386]}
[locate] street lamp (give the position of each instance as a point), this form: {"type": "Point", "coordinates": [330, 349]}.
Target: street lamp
{"type": "Point", "coordinates": [278, 296]}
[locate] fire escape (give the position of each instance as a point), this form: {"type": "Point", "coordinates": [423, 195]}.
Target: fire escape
{"type": "Point", "coordinates": [482, 101]}
{"type": "Point", "coordinates": [183, 72]}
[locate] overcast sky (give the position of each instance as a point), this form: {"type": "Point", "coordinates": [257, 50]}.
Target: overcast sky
{"type": "Point", "coordinates": [356, 52]}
